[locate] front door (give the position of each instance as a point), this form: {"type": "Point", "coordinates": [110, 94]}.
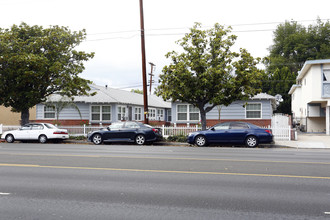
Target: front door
{"type": "Point", "coordinates": [130, 112]}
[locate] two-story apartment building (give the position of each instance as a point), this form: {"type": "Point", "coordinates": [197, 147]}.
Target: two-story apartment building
{"type": "Point", "coordinates": [311, 96]}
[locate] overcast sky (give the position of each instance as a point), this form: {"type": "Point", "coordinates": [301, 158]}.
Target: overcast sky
{"type": "Point", "coordinates": [113, 28]}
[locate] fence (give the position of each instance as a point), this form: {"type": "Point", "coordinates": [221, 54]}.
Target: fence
{"type": "Point", "coordinates": [279, 133]}
{"type": "Point", "coordinates": [174, 130]}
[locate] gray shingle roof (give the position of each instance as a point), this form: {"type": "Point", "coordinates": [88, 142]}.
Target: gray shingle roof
{"type": "Point", "coordinates": [263, 96]}
{"type": "Point", "coordinates": [111, 95]}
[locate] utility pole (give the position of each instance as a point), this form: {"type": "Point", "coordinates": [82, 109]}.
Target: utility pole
{"type": "Point", "coordinates": [144, 69]}
{"type": "Point", "coordinates": [151, 75]}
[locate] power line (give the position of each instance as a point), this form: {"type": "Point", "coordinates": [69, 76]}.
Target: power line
{"type": "Point", "coordinates": [182, 33]}
{"type": "Point", "coordinates": [180, 28]}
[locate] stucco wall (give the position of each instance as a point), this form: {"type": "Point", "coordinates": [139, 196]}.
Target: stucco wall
{"type": "Point", "coordinates": [7, 117]}
{"type": "Point", "coordinates": [316, 124]}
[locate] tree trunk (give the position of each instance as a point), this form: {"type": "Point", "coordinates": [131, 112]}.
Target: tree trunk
{"type": "Point", "coordinates": [25, 115]}
{"type": "Point", "coordinates": [203, 118]}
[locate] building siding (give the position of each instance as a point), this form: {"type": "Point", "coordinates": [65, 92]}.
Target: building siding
{"type": "Point", "coordinates": [70, 116]}
{"type": "Point", "coordinates": [235, 111]}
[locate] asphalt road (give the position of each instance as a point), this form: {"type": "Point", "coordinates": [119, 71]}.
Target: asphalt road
{"type": "Point", "coordinates": [68, 181]}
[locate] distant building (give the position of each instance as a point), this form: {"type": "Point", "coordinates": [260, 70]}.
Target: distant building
{"type": "Point", "coordinates": [311, 97]}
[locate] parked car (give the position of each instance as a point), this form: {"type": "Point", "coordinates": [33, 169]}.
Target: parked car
{"type": "Point", "coordinates": [240, 133]}
{"type": "Point", "coordinates": [128, 131]}
{"type": "Point", "coordinates": [36, 131]}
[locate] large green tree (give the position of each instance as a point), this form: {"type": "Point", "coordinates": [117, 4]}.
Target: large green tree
{"type": "Point", "coordinates": [207, 72]}
{"type": "Point", "coordinates": [293, 44]}
{"type": "Point", "coordinates": [36, 62]}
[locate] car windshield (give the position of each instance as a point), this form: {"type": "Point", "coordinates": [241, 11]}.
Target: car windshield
{"type": "Point", "coordinates": [223, 126]}
{"type": "Point", "coordinates": [116, 125]}
{"type": "Point", "coordinates": [50, 126]}
{"type": "Point", "coordinates": [238, 125]}
{"type": "Point", "coordinates": [132, 125]}
{"type": "Point", "coordinates": [26, 127]}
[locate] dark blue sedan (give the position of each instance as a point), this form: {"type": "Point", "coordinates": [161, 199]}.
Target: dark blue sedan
{"type": "Point", "coordinates": [240, 133]}
{"type": "Point", "coordinates": [128, 131]}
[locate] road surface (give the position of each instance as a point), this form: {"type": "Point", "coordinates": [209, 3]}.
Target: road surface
{"type": "Point", "coordinates": [71, 181]}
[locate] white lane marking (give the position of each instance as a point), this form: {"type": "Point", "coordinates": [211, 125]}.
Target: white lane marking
{"type": "Point", "coordinates": [4, 194]}
{"type": "Point", "coordinates": [327, 213]}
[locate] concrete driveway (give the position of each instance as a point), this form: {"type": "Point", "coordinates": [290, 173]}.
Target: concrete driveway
{"type": "Point", "coordinates": [308, 140]}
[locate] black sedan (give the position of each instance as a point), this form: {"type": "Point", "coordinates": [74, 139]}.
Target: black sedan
{"type": "Point", "coordinates": [128, 131]}
{"type": "Point", "coordinates": [232, 133]}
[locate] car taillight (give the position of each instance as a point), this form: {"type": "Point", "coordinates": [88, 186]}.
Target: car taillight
{"type": "Point", "coordinates": [155, 130]}
{"type": "Point", "coordinates": [60, 132]}
{"type": "Point", "coordinates": [268, 131]}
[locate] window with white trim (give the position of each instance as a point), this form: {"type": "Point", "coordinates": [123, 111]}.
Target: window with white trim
{"type": "Point", "coordinates": [121, 113]}
{"type": "Point", "coordinates": [106, 113]}
{"type": "Point", "coordinates": [101, 112]}
{"type": "Point", "coordinates": [152, 113]}
{"type": "Point", "coordinates": [193, 113]}
{"type": "Point", "coordinates": [253, 110]}
{"type": "Point", "coordinates": [160, 114]}
{"type": "Point", "coordinates": [49, 112]}
{"type": "Point", "coordinates": [326, 75]}
{"type": "Point", "coordinates": [138, 114]}
{"type": "Point", "coordinates": [187, 113]}
{"type": "Point", "coordinates": [169, 114]}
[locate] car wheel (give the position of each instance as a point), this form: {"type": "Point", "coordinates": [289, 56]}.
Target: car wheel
{"type": "Point", "coordinates": [42, 139]}
{"type": "Point", "coordinates": [140, 139]}
{"type": "Point", "coordinates": [10, 138]}
{"type": "Point", "coordinates": [251, 141]}
{"type": "Point", "coordinates": [97, 139]}
{"type": "Point", "coordinates": [200, 141]}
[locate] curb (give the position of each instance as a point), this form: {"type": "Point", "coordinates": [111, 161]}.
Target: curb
{"type": "Point", "coordinates": [178, 144]}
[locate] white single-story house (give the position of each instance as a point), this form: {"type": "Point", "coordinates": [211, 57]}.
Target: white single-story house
{"type": "Point", "coordinates": [311, 96]}
{"type": "Point", "coordinates": [257, 110]}
{"type": "Point", "coordinates": [107, 106]}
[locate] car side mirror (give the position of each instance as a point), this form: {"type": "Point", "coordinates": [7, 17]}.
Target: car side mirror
{"type": "Point", "coordinates": [108, 128]}
{"type": "Point", "coordinates": [212, 129]}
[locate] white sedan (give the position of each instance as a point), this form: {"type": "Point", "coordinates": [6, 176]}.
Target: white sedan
{"type": "Point", "coordinates": [36, 131]}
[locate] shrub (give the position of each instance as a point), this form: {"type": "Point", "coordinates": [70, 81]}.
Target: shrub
{"type": "Point", "coordinates": [77, 137]}
{"type": "Point", "coordinates": [177, 138]}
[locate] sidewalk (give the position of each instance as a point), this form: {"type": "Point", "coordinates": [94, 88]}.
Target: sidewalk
{"type": "Point", "coordinates": [307, 140]}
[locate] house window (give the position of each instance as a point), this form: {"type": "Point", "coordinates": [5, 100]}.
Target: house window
{"type": "Point", "coordinates": [160, 114]}
{"type": "Point", "coordinates": [101, 113]}
{"type": "Point", "coordinates": [152, 113]}
{"type": "Point", "coordinates": [182, 112]}
{"type": "Point", "coordinates": [326, 75]}
{"type": "Point", "coordinates": [49, 112]}
{"type": "Point", "coordinates": [106, 113]}
{"type": "Point", "coordinates": [193, 113]}
{"type": "Point", "coordinates": [187, 113]}
{"type": "Point", "coordinates": [138, 114]}
{"type": "Point", "coordinates": [169, 115]}
{"type": "Point", "coordinates": [253, 110]}
{"type": "Point", "coordinates": [121, 113]}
